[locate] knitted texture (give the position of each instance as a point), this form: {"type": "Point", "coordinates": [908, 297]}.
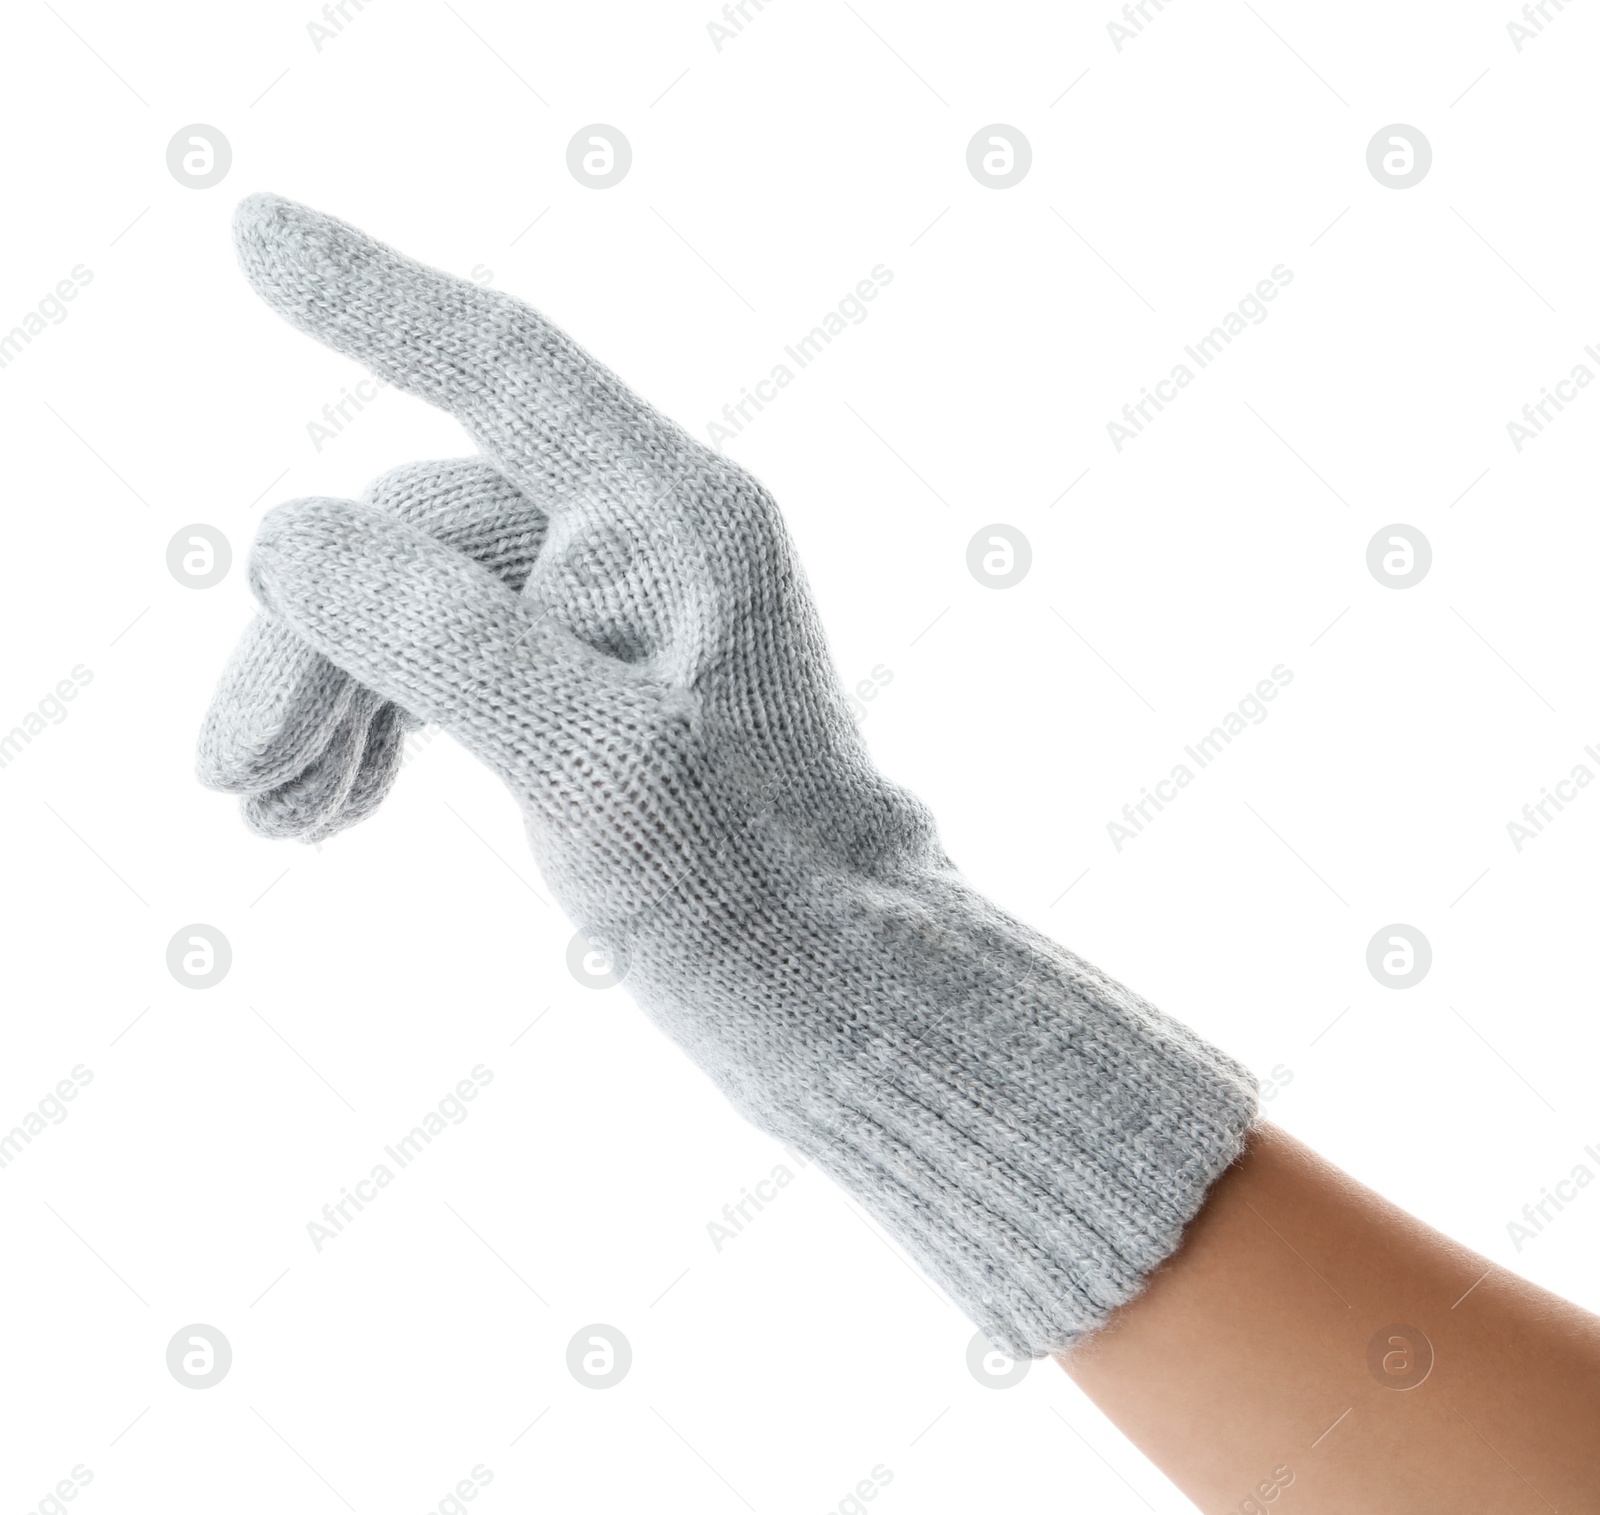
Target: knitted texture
{"type": "Point", "coordinates": [308, 749]}
{"type": "Point", "coordinates": [659, 698]}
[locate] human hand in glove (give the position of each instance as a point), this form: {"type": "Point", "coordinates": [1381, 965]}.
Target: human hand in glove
{"type": "Point", "coordinates": [657, 694]}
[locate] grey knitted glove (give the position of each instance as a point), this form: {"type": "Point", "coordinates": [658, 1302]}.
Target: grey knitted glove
{"type": "Point", "coordinates": [660, 700]}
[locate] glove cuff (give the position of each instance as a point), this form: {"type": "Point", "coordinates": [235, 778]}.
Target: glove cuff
{"type": "Point", "coordinates": [1033, 1132]}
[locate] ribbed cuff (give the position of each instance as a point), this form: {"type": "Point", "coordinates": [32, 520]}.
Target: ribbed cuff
{"type": "Point", "coordinates": [1039, 1142]}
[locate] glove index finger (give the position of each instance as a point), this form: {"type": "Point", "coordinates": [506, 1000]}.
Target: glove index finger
{"type": "Point", "coordinates": [549, 414]}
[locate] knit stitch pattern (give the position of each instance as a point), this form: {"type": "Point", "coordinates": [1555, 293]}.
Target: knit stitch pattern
{"type": "Point", "coordinates": [658, 695]}
{"type": "Point", "coordinates": [308, 749]}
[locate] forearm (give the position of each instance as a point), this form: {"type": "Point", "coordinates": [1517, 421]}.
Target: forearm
{"type": "Point", "coordinates": [1243, 1370]}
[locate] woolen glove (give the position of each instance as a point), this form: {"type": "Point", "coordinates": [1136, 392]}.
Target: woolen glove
{"type": "Point", "coordinates": [660, 700]}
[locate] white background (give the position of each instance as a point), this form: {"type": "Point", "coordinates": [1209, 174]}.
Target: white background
{"type": "Point", "coordinates": [1230, 537]}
